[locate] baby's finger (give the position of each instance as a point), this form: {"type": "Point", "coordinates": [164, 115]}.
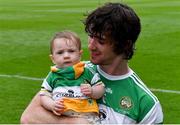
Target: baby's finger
{"type": "Point", "coordinates": [56, 113]}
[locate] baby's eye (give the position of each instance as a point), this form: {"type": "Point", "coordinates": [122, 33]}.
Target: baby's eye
{"type": "Point", "coordinates": [60, 52]}
{"type": "Point", "coordinates": [71, 51]}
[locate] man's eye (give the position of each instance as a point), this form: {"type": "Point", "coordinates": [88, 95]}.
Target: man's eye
{"type": "Point", "coordinates": [90, 35]}
{"type": "Point", "coordinates": [101, 41]}
{"type": "Point", "coordinates": [97, 38]}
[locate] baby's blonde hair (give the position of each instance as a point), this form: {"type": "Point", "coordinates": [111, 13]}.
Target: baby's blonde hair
{"type": "Point", "coordinates": [72, 36]}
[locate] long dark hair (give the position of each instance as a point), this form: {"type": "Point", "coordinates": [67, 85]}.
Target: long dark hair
{"type": "Point", "coordinates": [118, 22]}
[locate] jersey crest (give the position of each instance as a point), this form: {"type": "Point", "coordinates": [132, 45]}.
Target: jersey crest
{"type": "Point", "coordinates": [126, 102]}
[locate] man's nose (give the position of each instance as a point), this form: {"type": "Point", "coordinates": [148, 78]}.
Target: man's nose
{"type": "Point", "coordinates": [91, 43]}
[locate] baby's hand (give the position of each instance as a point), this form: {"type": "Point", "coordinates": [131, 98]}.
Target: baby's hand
{"type": "Point", "coordinates": [86, 89]}
{"type": "Point", "coordinates": [58, 107]}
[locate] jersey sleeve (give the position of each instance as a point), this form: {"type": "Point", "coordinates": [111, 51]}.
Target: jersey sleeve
{"type": "Point", "coordinates": [46, 88]}
{"type": "Point", "coordinates": [92, 74]}
{"type": "Point", "coordinates": [154, 116]}
{"type": "Point", "coordinates": [96, 80]}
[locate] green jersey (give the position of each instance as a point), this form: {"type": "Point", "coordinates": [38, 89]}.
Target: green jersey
{"type": "Point", "coordinates": [127, 100]}
{"type": "Point", "coordinates": [65, 83]}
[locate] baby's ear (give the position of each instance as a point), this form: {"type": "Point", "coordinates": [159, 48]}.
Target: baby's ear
{"type": "Point", "coordinates": [81, 51]}
{"type": "Point", "coordinates": [51, 57]}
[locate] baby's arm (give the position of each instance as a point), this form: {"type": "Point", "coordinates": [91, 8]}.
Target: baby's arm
{"type": "Point", "coordinates": [96, 91]}
{"type": "Point", "coordinates": [48, 103]}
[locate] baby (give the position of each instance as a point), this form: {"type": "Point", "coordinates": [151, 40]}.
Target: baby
{"type": "Point", "coordinates": [71, 88]}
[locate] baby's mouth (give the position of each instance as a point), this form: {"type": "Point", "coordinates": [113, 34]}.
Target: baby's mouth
{"type": "Point", "coordinates": [68, 63]}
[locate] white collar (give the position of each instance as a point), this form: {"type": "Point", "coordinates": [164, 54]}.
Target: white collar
{"type": "Point", "coordinates": [114, 77]}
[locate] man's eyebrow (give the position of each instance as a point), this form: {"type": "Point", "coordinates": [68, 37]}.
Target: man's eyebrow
{"type": "Point", "coordinates": [101, 37]}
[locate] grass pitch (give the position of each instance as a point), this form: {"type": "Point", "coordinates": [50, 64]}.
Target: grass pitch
{"type": "Point", "coordinates": [26, 27]}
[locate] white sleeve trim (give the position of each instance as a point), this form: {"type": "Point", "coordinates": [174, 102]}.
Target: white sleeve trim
{"type": "Point", "coordinates": [46, 85]}
{"type": "Point", "coordinates": [155, 115]}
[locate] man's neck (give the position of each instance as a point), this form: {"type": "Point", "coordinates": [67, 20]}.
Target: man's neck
{"type": "Point", "coordinates": [116, 68]}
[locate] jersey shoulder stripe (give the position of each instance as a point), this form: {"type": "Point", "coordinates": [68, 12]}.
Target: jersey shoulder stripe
{"type": "Point", "coordinates": [139, 82]}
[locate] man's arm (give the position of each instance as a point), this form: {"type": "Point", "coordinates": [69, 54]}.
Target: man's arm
{"type": "Point", "coordinates": [36, 114]}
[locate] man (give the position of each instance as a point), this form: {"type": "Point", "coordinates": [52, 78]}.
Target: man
{"type": "Point", "coordinates": [113, 30]}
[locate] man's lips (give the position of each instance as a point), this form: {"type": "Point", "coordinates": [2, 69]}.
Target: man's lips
{"type": "Point", "coordinates": [95, 54]}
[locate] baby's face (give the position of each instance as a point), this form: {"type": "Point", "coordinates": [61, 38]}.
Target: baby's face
{"type": "Point", "coordinates": [65, 53]}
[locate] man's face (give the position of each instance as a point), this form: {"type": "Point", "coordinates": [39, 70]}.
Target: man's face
{"type": "Point", "coordinates": [101, 51]}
